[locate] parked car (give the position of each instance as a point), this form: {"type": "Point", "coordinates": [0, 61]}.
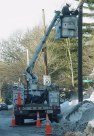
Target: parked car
{"type": "Point", "coordinates": [3, 106]}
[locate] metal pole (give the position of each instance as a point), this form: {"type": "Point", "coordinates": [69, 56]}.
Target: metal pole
{"type": "Point", "coordinates": [80, 88]}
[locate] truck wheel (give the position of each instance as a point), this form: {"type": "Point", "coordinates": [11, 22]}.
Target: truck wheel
{"type": "Point", "coordinates": [54, 119]}
{"type": "Point", "coordinates": [19, 120]}
{"type": "Point", "coordinates": [51, 118]}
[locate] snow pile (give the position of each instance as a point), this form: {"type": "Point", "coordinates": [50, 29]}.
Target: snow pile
{"type": "Point", "coordinates": [73, 102]}
{"type": "Point", "coordinates": [92, 97]}
{"type": "Point", "coordinates": [74, 134]}
{"type": "Point", "coordinates": [89, 131]}
{"type": "Point", "coordinates": [65, 107]}
{"type": "Point", "coordinates": [81, 112]}
{"type": "Point", "coordinates": [78, 119]}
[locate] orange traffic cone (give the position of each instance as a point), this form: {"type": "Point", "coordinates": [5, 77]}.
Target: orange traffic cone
{"type": "Point", "coordinates": [19, 99]}
{"type": "Point", "coordinates": [13, 119]}
{"type": "Point", "coordinates": [48, 126]}
{"type": "Point", "coordinates": [38, 120]}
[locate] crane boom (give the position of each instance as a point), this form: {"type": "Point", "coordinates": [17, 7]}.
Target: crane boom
{"type": "Point", "coordinates": [29, 74]}
{"type": "Point", "coordinates": [30, 67]}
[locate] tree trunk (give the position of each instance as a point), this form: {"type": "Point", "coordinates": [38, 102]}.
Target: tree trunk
{"type": "Point", "coordinates": [70, 61]}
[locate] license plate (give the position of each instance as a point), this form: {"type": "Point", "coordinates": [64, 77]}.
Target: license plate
{"type": "Point", "coordinates": [28, 120]}
{"type": "Point", "coordinates": [49, 111]}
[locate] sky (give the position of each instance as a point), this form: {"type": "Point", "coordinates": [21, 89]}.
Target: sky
{"type": "Point", "coordinates": [20, 15]}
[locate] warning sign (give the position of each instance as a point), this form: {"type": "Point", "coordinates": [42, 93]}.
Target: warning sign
{"type": "Point", "coordinates": [46, 80]}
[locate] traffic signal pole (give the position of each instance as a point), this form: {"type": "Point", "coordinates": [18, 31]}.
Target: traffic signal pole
{"type": "Point", "coordinates": [80, 84]}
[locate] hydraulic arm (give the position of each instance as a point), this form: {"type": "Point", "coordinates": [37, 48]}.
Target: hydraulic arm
{"type": "Point", "coordinates": [31, 78]}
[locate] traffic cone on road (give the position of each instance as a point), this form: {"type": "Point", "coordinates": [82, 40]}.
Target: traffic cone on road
{"type": "Point", "coordinates": [48, 126]}
{"type": "Point", "coordinates": [38, 120]}
{"type": "Point", "coordinates": [19, 99]}
{"type": "Point", "coordinates": [13, 119]}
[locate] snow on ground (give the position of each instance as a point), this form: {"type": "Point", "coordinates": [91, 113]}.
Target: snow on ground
{"type": "Point", "coordinates": [91, 97]}
{"type": "Point", "coordinates": [78, 118]}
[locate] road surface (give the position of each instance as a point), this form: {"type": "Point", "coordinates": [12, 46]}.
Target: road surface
{"type": "Point", "coordinates": [26, 130]}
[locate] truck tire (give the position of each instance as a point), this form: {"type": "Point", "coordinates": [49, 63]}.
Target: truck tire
{"type": "Point", "coordinates": [16, 120]}
{"type": "Point", "coordinates": [54, 119]}
{"type": "Point", "coordinates": [19, 120]}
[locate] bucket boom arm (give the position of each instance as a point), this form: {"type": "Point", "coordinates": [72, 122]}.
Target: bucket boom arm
{"type": "Point", "coordinates": [30, 77]}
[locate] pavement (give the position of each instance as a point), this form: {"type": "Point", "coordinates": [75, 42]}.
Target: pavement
{"type": "Point", "coordinates": [7, 130]}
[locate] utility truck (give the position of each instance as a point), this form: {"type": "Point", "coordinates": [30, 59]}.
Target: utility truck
{"type": "Point", "coordinates": [45, 99]}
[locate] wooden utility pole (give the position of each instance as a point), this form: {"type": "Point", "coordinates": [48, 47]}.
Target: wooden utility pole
{"type": "Point", "coordinates": [44, 50]}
